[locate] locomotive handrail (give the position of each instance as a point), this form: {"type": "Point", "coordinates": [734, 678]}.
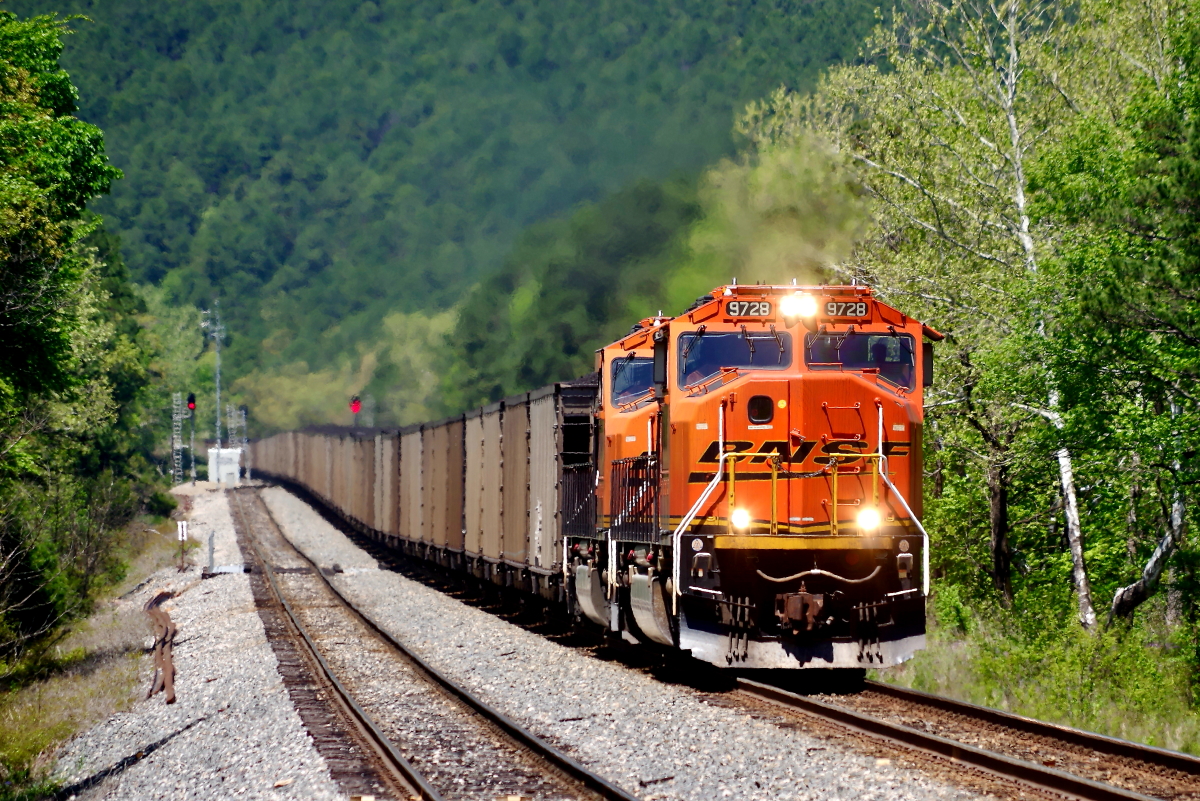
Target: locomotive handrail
{"type": "Point", "coordinates": [677, 537]}
{"type": "Point", "coordinates": [775, 460]}
{"type": "Point", "coordinates": [883, 473]}
{"type": "Point", "coordinates": [726, 374]}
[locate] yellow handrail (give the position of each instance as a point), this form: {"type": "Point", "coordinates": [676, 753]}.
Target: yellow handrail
{"type": "Point", "coordinates": [775, 460]}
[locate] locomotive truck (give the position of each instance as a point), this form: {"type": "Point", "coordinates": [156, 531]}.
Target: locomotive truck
{"type": "Point", "coordinates": [742, 481]}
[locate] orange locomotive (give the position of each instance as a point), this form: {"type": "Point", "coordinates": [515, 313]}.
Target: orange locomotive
{"type": "Point", "coordinates": [758, 481]}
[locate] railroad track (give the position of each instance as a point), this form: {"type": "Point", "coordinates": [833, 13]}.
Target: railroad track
{"type": "Point", "coordinates": [432, 737]}
{"type": "Point", "coordinates": [1056, 760]}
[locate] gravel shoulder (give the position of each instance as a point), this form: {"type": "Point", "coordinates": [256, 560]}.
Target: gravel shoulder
{"type": "Point", "coordinates": [658, 741]}
{"type": "Point", "coordinates": [233, 730]}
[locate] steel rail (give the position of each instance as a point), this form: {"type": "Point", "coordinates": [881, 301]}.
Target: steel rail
{"type": "Point", "coordinates": [593, 781]}
{"type": "Point", "coordinates": [1097, 742]}
{"type": "Point", "coordinates": [1039, 776]}
{"type": "Point", "coordinates": [402, 770]}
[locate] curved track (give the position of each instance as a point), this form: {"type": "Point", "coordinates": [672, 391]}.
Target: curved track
{"type": "Point", "coordinates": [464, 747]}
{"type": "Point", "coordinates": [1055, 759]}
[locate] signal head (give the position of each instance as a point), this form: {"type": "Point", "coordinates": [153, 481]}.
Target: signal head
{"type": "Point", "coordinates": [191, 402]}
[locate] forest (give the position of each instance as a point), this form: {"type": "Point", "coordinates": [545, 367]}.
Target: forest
{"type": "Point", "coordinates": [339, 173]}
{"type": "Point", "coordinates": [437, 205]}
{"type": "Point", "coordinates": [77, 367]}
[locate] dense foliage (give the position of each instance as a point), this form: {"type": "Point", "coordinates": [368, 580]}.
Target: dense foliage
{"type": "Point", "coordinates": [74, 438]}
{"type": "Point", "coordinates": [569, 286]}
{"type": "Point", "coordinates": [323, 165]}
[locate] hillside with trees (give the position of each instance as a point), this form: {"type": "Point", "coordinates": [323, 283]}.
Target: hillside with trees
{"type": "Point", "coordinates": [321, 166]}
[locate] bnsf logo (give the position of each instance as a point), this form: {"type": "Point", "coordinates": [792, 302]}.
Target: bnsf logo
{"type": "Point", "coordinates": [843, 451]}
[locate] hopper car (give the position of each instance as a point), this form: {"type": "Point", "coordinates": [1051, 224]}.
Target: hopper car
{"type": "Point", "coordinates": [742, 481]}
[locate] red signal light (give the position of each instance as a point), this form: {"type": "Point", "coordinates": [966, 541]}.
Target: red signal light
{"type": "Point", "coordinates": [355, 405]}
{"type": "Point", "coordinates": [191, 400]}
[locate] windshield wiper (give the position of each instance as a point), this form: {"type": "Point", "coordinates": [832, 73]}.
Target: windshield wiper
{"type": "Point", "coordinates": [779, 342]}
{"type": "Point", "coordinates": [749, 342]}
{"type": "Point", "coordinates": [620, 365]}
{"type": "Point", "coordinates": [692, 342]}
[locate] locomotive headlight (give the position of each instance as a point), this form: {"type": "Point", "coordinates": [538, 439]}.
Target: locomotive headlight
{"type": "Point", "coordinates": [798, 305]}
{"type": "Point", "coordinates": [740, 518]}
{"type": "Point", "coordinates": [868, 519]}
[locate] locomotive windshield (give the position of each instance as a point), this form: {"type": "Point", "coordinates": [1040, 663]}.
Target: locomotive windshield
{"type": "Point", "coordinates": [630, 377]}
{"type": "Point", "coordinates": [702, 354]}
{"type": "Point", "coordinates": [891, 354]}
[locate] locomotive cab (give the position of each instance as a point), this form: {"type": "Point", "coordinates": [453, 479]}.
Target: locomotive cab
{"type": "Point", "coordinates": [759, 480]}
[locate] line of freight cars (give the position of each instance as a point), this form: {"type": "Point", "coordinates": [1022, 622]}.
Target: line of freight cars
{"type": "Point", "coordinates": [482, 492]}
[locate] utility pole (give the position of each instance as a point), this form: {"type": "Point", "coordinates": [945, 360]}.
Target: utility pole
{"type": "Point", "coordinates": [217, 332]}
{"type": "Point", "coordinates": [231, 424]}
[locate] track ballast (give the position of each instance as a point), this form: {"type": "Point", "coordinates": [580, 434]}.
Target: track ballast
{"type": "Point", "coordinates": [455, 744]}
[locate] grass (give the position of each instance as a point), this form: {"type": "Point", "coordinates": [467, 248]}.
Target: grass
{"type": "Point", "coordinates": [1128, 682]}
{"type": "Point", "coordinates": [89, 673]}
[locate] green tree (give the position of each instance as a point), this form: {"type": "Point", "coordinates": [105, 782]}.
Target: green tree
{"type": "Point", "coordinates": [569, 287]}
{"type": "Point", "coordinates": [74, 452]}
{"type": "Point", "coordinates": [52, 164]}
{"type": "Point", "coordinates": [1129, 186]}
{"type": "Point", "coordinates": [946, 135]}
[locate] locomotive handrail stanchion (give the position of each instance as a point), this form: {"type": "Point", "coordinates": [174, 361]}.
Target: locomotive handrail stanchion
{"type": "Point", "coordinates": [883, 473]}
{"type": "Point", "coordinates": [924, 535]}
{"type": "Point", "coordinates": [732, 499]}
{"type": "Point", "coordinates": [775, 461]}
{"type": "Point", "coordinates": [881, 465]}
{"type": "Point", "coordinates": [833, 496]}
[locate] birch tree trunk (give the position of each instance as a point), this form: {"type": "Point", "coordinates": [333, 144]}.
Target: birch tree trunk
{"type": "Point", "coordinates": [1127, 599]}
{"type": "Point", "coordinates": [1083, 587]}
